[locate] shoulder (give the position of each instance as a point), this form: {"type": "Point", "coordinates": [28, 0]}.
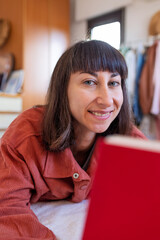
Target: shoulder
{"type": "Point", "coordinates": [28, 123]}
{"type": "Point", "coordinates": [135, 132]}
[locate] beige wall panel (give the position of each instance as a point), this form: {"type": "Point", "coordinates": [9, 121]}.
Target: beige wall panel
{"type": "Point", "coordinates": [40, 34]}
{"type": "Point", "coordinates": [36, 45]}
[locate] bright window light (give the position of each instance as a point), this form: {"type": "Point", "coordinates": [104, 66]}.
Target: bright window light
{"type": "Point", "coordinates": [109, 33]}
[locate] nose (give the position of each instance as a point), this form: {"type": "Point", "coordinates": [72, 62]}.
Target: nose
{"type": "Point", "coordinates": [104, 97]}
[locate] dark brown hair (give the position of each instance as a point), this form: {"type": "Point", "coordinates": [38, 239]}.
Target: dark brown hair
{"type": "Point", "coordinates": [84, 56]}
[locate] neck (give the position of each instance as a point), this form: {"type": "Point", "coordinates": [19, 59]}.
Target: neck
{"type": "Point", "coordinates": [82, 148]}
{"type": "Point", "coordinates": [83, 139]}
{"type": "Point", "coordinates": [84, 143]}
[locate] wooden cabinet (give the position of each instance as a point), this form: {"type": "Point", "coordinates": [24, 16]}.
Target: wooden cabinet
{"type": "Point", "coordinates": [39, 35]}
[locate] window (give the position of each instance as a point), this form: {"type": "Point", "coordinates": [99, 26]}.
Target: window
{"type": "Point", "coordinates": [108, 28]}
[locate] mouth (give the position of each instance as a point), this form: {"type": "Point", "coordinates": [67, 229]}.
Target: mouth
{"type": "Point", "coordinates": [101, 114]}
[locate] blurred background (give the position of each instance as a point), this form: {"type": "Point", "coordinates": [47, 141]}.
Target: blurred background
{"type": "Point", "coordinates": [34, 34]}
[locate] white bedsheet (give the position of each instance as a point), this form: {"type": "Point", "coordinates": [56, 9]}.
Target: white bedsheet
{"type": "Point", "coordinates": [64, 218]}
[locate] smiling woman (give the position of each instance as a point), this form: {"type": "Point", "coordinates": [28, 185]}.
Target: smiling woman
{"type": "Point", "coordinates": [95, 100]}
{"type": "Point", "coordinates": [91, 66]}
{"type": "Point", "coordinates": [47, 153]}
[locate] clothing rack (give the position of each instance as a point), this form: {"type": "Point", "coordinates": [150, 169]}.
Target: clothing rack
{"type": "Point", "coordinates": [141, 43]}
{"type": "Point", "coordinates": [135, 54]}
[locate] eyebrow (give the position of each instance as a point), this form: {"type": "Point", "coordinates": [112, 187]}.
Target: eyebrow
{"type": "Point", "coordinates": [91, 73]}
{"type": "Point", "coordinates": [115, 74]}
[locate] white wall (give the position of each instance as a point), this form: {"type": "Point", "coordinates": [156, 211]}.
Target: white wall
{"type": "Point", "coordinates": [85, 9]}
{"type": "Point", "coordinates": [137, 16]}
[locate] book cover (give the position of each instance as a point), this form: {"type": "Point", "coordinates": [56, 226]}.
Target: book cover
{"type": "Point", "coordinates": [125, 197]}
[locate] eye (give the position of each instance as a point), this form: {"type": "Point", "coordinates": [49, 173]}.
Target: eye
{"type": "Point", "coordinates": [89, 82]}
{"type": "Point", "coordinates": [115, 80]}
{"type": "Point", "coordinates": [114, 83]}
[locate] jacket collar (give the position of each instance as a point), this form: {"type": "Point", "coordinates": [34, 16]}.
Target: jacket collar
{"type": "Point", "coordinates": [63, 165]}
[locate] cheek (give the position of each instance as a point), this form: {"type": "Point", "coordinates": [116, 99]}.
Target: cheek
{"type": "Point", "coordinates": [75, 103]}
{"type": "Point", "coordinates": [119, 99]}
{"type": "Point", "coordinates": [79, 99]}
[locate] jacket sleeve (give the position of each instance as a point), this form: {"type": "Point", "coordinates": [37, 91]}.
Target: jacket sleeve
{"type": "Point", "coordinates": [137, 133]}
{"type": "Point", "coordinates": [17, 221]}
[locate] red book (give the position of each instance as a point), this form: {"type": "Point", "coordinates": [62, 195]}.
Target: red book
{"type": "Point", "coordinates": [125, 198]}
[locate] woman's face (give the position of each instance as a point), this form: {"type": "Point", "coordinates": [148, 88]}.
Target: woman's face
{"type": "Point", "coordinates": [95, 99]}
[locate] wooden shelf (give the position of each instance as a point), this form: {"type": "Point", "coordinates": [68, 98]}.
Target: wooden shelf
{"type": "Point", "coordinates": [9, 112]}
{"type": "Point", "coordinates": [10, 95]}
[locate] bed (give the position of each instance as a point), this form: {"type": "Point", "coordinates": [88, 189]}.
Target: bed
{"type": "Point", "coordinates": [64, 218]}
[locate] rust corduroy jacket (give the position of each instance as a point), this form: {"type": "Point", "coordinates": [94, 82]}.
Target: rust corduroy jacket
{"type": "Point", "coordinates": [29, 173]}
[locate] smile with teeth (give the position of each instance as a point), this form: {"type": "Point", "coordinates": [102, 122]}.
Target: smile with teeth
{"type": "Point", "coordinates": [100, 114]}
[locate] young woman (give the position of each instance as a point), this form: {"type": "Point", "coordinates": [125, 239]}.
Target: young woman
{"type": "Point", "coordinates": [47, 153]}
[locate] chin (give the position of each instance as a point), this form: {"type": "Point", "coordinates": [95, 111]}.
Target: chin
{"type": "Point", "coordinates": [102, 130]}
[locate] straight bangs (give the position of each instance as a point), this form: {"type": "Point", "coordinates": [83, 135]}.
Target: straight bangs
{"type": "Point", "coordinates": [93, 56]}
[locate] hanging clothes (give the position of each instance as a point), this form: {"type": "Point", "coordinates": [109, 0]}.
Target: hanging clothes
{"type": "Point", "coordinates": [138, 115]}
{"type": "Point", "coordinates": [157, 120]}
{"type": "Point", "coordinates": [155, 108]}
{"type": "Point", "coordinates": [146, 87]}
{"type": "Point", "coordinates": [149, 127]}
{"type": "Point", "coordinates": [130, 58]}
